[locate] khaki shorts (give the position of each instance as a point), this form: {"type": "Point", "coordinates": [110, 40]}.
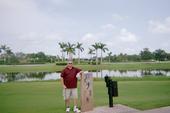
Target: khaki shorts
{"type": "Point", "coordinates": [70, 93]}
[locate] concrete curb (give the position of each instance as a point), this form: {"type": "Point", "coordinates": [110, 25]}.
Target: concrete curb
{"type": "Point", "coordinates": [118, 108]}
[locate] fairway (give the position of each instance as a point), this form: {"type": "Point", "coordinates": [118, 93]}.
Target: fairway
{"type": "Point", "coordinates": [46, 97]}
{"type": "Point", "coordinates": [113, 66]}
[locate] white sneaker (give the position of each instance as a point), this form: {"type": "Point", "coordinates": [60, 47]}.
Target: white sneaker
{"type": "Point", "coordinates": [76, 110]}
{"type": "Point", "coordinates": [67, 110]}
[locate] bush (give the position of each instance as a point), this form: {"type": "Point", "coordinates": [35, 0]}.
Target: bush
{"type": "Point", "coordinates": [1, 62]}
{"type": "Point", "coordinates": [83, 62]}
{"type": "Point", "coordinates": [94, 63]}
{"type": "Point", "coordinates": [61, 63]}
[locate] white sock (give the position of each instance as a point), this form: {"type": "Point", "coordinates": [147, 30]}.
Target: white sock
{"type": "Point", "coordinates": [67, 109]}
{"type": "Point", "coordinates": [75, 107]}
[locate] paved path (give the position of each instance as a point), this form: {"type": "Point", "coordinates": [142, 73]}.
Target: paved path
{"type": "Point", "coordinates": [116, 109]}
{"type": "Point", "coordinates": [124, 109]}
{"type": "Point", "coordinates": [157, 110]}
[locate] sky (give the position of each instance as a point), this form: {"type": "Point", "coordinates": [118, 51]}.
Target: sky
{"type": "Point", "coordinates": [125, 26]}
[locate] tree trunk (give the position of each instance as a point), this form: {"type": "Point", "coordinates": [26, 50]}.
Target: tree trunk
{"type": "Point", "coordinates": [62, 55]}
{"type": "Point", "coordinates": [101, 57]}
{"type": "Point", "coordinates": [70, 57]}
{"type": "Point", "coordinates": [4, 60]}
{"type": "Point", "coordinates": [78, 56]}
{"type": "Point", "coordinates": [91, 59]}
{"type": "Point", "coordinates": [96, 58]}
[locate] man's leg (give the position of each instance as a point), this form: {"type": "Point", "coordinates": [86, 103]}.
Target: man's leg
{"type": "Point", "coordinates": [66, 93]}
{"type": "Point", "coordinates": [67, 102]}
{"type": "Point", "coordinates": [75, 99]}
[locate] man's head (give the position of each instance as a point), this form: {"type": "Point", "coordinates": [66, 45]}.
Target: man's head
{"type": "Point", "coordinates": [70, 64]}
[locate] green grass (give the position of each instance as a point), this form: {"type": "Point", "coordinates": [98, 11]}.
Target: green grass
{"type": "Point", "coordinates": [46, 97]}
{"type": "Point", "coordinates": [144, 78]}
{"type": "Point", "coordinates": [144, 94]}
{"type": "Point", "coordinates": [30, 68]}
{"type": "Point", "coordinates": [114, 66]}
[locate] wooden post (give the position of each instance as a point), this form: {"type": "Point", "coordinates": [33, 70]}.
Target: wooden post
{"type": "Point", "coordinates": [86, 92]}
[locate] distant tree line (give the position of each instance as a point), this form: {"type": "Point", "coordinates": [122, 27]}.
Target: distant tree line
{"type": "Point", "coordinates": [9, 57]}
{"type": "Point", "coordinates": [144, 55]}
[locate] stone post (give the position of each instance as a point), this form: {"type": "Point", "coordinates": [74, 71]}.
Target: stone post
{"type": "Point", "coordinates": [86, 92]}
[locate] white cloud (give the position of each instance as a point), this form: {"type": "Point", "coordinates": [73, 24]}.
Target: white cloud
{"type": "Point", "coordinates": [90, 38]}
{"type": "Point", "coordinates": [119, 17]}
{"type": "Point", "coordinates": [38, 25]}
{"type": "Point", "coordinates": [22, 16]}
{"type": "Point", "coordinates": [130, 50]}
{"type": "Point", "coordinates": [117, 40]}
{"type": "Point", "coordinates": [35, 36]}
{"type": "Point", "coordinates": [23, 23]}
{"type": "Point", "coordinates": [127, 36]}
{"type": "Point", "coordinates": [108, 27]}
{"type": "Point", "coordinates": [162, 27]}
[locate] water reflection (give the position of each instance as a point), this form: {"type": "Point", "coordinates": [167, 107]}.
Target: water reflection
{"type": "Point", "coordinates": [33, 76]}
{"type": "Point", "coordinates": [130, 73]}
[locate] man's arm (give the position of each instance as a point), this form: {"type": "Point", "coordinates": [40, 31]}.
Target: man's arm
{"type": "Point", "coordinates": [62, 83]}
{"type": "Point", "coordinates": [81, 73]}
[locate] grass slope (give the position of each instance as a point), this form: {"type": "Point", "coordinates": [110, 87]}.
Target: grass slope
{"type": "Point", "coordinates": [46, 97]}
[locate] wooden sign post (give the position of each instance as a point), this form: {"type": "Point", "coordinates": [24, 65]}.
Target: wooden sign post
{"type": "Point", "coordinates": [86, 92]}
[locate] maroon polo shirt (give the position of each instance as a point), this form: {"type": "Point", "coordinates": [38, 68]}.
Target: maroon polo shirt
{"type": "Point", "coordinates": [69, 77]}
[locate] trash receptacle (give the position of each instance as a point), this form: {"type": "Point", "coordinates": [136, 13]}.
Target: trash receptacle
{"type": "Point", "coordinates": [112, 89]}
{"type": "Point", "coordinates": [115, 89]}
{"type": "Point", "coordinates": [107, 80]}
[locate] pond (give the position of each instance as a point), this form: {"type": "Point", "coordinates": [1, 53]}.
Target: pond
{"type": "Point", "coordinates": [42, 76]}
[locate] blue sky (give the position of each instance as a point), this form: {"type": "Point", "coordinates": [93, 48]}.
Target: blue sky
{"type": "Point", "coordinates": [126, 26]}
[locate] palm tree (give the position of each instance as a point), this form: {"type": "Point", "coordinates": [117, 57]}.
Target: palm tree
{"type": "Point", "coordinates": [3, 49]}
{"type": "Point", "coordinates": [91, 52]}
{"type": "Point", "coordinates": [103, 48]}
{"type": "Point", "coordinates": [109, 55]}
{"type": "Point", "coordinates": [58, 58]}
{"type": "Point", "coordinates": [62, 46]}
{"type": "Point", "coordinates": [8, 54]}
{"type": "Point", "coordinates": [80, 49]}
{"type": "Point", "coordinates": [96, 47]}
{"type": "Point", "coordinates": [70, 49]}
{"type": "Point", "coordinates": [8, 51]}
{"type": "Point", "coordinates": [0, 51]}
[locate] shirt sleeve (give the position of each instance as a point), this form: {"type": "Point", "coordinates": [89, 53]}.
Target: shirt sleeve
{"type": "Point", "coordinates": [62, 74]}
{"type": "Point", "coordinates": [78, 70]}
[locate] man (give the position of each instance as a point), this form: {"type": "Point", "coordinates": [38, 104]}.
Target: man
{"type": "Point", "coordinates": [69, 83]}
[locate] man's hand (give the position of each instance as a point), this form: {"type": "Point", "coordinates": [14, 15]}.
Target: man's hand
{"type": "Point", "coordinates": [62, 82]}
{"type": "Point", "coordinates": [64, 87]}
{"type": "Point", "coordinates": [81, 72]}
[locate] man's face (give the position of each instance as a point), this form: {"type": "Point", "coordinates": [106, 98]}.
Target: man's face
{"type": "Point", "coordinates": [70, 65]}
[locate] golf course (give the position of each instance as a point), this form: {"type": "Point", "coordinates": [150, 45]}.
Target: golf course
{"type": "Point", "coordinates": [53, 51]}
{"type": "Point", "coordinates": [46, 96]}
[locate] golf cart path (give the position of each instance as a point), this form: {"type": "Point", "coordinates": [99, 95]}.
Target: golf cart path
{"type": "Point", "coordinates": [118, 108]}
